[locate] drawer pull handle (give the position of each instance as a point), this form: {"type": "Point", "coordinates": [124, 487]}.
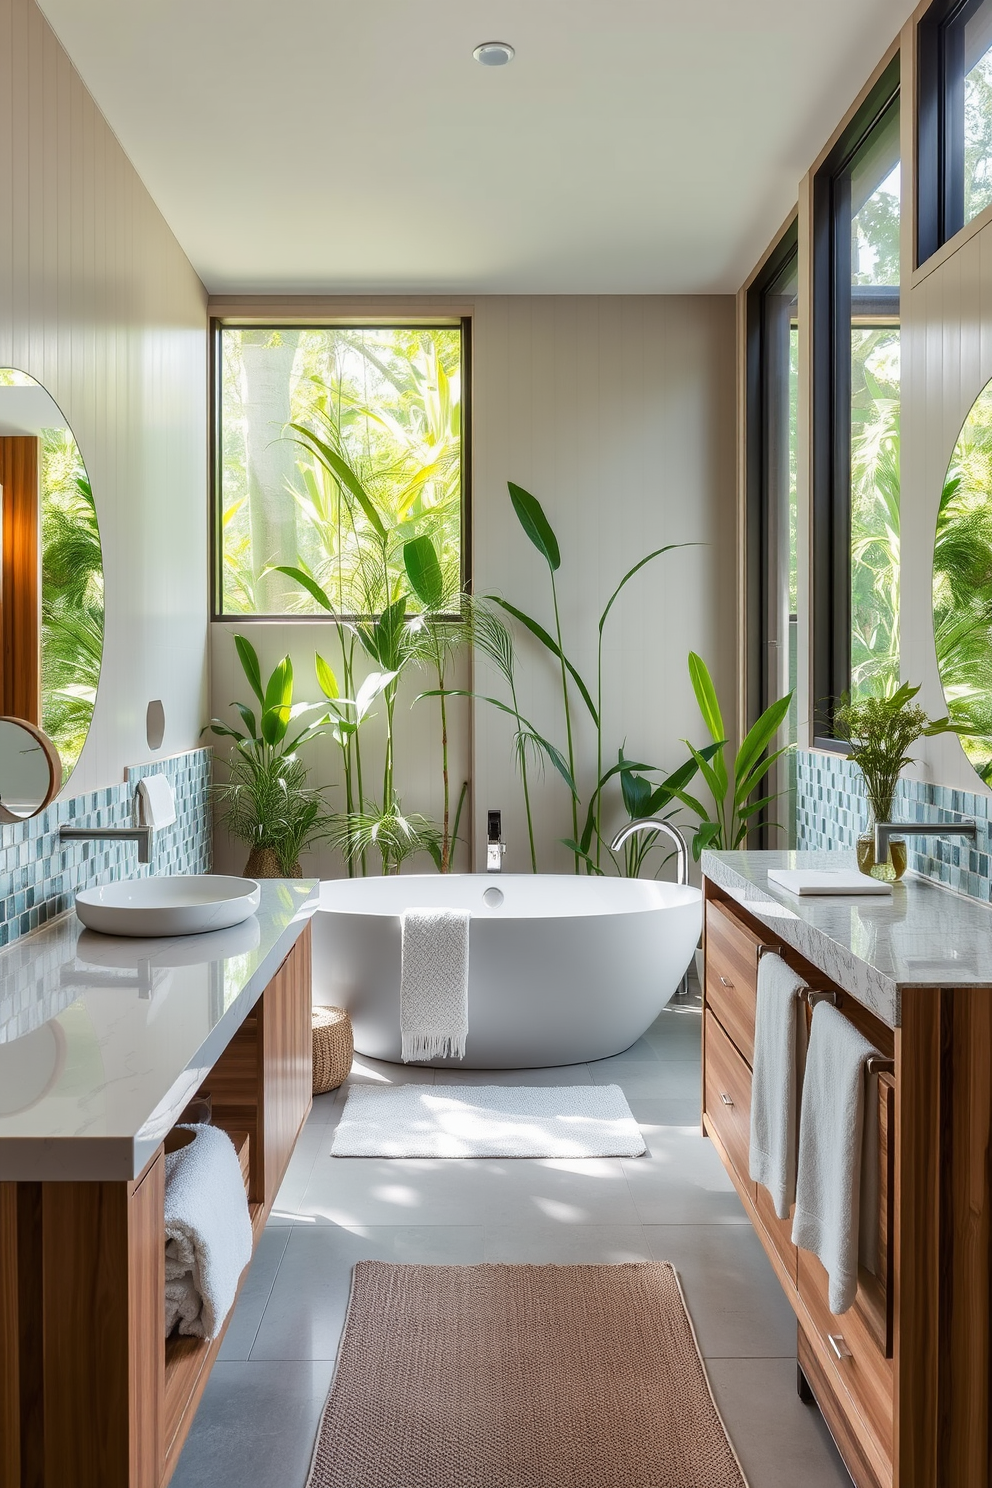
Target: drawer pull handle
{"type": "Point", "coordinates": [727, 1101]}
{"type": "Point", "coordinates": [840, 1348]}
{"type": "Point", "coordinates": [726, 982]}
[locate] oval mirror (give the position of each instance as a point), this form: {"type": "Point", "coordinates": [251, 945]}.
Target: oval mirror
{"type": "Point", "coordinates": [30, 770]}
{"type": "Point", "coordinates": [51, 577]}
{"type": "Point", "coordinates": [962, 585]}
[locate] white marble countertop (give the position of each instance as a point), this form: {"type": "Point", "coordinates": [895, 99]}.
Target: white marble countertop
{"type": "Point", "coordinates": [873, 948]}
{"type": "Point", "coordinates": [104, 1039]}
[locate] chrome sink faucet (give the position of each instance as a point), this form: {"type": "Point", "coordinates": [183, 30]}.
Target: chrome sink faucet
{"type": "Point", "coordinates": [141, 835]}
{"type": "Point", "coordinates": [495, 846]}
{"type": "Point", "coordinates": [654, 824]}
{"type": "Point", "coordinates": [885, 831]}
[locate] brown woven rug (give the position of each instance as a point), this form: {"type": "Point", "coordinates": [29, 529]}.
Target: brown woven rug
{"type": "Point", "coordinates": [520, 1377]}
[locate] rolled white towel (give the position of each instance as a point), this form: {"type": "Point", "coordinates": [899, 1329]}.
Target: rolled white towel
{"type": "Point", "coordinates": [182, 1305]}
{"type": "Point", "coordinates": [207, 1230]}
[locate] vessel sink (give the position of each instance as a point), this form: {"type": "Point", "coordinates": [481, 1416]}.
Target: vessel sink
{"type": "Point", "coordinates": [181, 904]}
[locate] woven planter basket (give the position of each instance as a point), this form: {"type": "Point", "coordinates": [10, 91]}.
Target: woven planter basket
{"type": "Point", "coordinates": [333, 1048]}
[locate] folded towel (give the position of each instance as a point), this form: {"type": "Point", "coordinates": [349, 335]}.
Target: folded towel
{"type": "Point", "coordinates": [831, 1142]}
{"type": "Point", "coordinates": [207, 1232]}
{"type": "Point", "coordinates": [779, 1036]}
{"type": "Point", "coordinates": [156, 801]}
{"type": "Point", "coordinates": [434, 983]}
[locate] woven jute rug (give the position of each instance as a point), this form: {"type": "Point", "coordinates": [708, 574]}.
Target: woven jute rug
{"type": "Point", "coordinates": [520, 1377]}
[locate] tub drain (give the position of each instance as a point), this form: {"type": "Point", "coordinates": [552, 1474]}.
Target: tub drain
{"type": "Point", "coordinates": [493, 897]}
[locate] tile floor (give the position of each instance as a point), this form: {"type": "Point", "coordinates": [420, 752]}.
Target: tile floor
{"type": "Point", "coordinates": [259, 1414]}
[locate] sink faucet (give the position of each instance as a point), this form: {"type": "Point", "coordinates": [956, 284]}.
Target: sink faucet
{"type": "Point", "coordinates": [141, 835]}
{"type": "Point", "coordinates": [495, 846]}
{"type": "Point", "coordinates": [885, 831]}
{"type": "Point", "coordinates": [654, 824]}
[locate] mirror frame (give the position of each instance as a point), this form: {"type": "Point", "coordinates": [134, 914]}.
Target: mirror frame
{"type": "Point", "coordinates": [54, 769]}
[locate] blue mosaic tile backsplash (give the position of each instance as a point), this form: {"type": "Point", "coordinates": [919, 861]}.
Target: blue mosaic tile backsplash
{"type": "Point", "coordinates": [831, 810]}
{"type": "Point", "coordinates": [39, 874]}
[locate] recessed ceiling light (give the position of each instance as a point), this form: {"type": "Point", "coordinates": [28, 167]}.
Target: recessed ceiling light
{"type": "Point", "coordinates": [493, 53]}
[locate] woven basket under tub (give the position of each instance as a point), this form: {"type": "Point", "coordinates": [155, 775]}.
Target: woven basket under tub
{"type": "Point", "coordinates": [333, 1048]}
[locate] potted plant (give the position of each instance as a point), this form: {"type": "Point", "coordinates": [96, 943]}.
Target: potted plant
{"type": "Point", "coordinates": [266, 801]}
{"type": "Point", "coordinates": [879, 730]}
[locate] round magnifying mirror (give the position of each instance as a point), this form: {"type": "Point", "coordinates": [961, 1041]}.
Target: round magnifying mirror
{"type": "Point", "coordinates": [962, 585]}
{"type": "Point", "coordinates": [51, 584]}
{"type": "Point", "coordinates": [30, 770]}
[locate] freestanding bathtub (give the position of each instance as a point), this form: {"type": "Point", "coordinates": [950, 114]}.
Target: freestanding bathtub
{"type": "Point", "coordinates": [561, 969]}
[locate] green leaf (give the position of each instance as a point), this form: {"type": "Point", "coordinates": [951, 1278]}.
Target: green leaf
{"type": "Point", "coordinates": [326, 680]}
{"type": "Point", "coordinates": [277, 703]}
{"type": "Point", "coordinates": [424, 572]}
{"type": "Point", "coordinates": [249, 663]}
{"type": "Point", "coordinates": [580, 852]}
{"type": "Point", "coordinates": [549, 641]}
{"type": "Point", "coordinates": [248, 719]}
{"type": "Point", "coordinates": [343, 472]}
{"type": "Point", "coordinates": [306, 582]}
{"type": "Point", "coordinates": [531, 516]}
{"type": "Point", "coordinates": [669, 547]}
{"type": "Point", "coordinates": [554, 754]}
{"type": "Point", "coordinates": [702, 686]}
{"type": "Point", "coordinates": [762, 731]}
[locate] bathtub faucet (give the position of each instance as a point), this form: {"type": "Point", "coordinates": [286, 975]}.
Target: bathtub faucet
{"type": "Point", "coordinates": [495, 846]}
{"type": "Point", "coordinates": [654, 824]}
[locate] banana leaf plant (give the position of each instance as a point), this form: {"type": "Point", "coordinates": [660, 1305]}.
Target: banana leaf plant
{"type": "Point", "coordinates": [734, 808]}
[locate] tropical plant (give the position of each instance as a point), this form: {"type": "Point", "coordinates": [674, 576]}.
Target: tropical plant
{"type": "Point", "coordinates": [266, 802]}
{"type": "Point", "coordinates": [395, 834]}
{"type": "Point", "coordinates": [879, 730]}
{"type": "Point", "coordinates": [727, 824]}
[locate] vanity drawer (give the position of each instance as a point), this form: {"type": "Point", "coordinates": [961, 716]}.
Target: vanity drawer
{"type": "Point", "coordinates": [849, 1354]}
{"type": "Point", "coordinates": [727, 1096]}
{"type": "Point", "coordinates": [732, 951]}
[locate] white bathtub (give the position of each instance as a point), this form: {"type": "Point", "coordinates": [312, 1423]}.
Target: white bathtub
{"type": "Point", "coordinates": [561, 969]}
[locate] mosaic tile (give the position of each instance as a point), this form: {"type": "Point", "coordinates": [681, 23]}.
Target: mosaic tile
{"type": "Point", "coordinates": [39, 874]}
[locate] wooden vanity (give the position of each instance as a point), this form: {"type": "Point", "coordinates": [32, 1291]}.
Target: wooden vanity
{"type": "Point", "coordinates": [903, 1377]}
{"type": "Point", "coordinates": [92, 1395]}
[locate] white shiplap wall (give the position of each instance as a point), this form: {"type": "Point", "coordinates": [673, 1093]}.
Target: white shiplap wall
{"type": "Point", "coordinates": [99, 303]}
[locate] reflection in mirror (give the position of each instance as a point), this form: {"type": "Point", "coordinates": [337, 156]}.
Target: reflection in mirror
{"type": "Point", "coordinates": [30, 1068]}
{"type": "Point", "coordinates": [30, 770]}
{"type": "Point", "coordinates": [962, 585]}
{"type": "Point", "coordinates": [51, 615]}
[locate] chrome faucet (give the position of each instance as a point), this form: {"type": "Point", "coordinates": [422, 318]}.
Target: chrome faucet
{"type": "Point", "coordinates": [885, 831]}
{"type": "Point", "coordinates": [654, 824]}
{"type": "Point", "coordinates": [495, 846]}
{"type": "Point", "coordinates": [141, 835]}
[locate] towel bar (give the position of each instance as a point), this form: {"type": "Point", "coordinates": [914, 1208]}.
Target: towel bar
{"type": "Point", "coordinates": [876, 1065]}
{"type": "Point", "coordinates": [814, 995]}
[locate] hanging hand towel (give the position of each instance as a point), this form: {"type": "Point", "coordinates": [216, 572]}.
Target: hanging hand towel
{"type": "Point", "coordinates": [207, 1232]}
{"type": "Point", "coordinates": [779, 1029]}
{"type": "Point", "coordinates": [434, 984]}
{"type": "Point", "coordinates": [831, 1142]}
{"type": "Point", "coordinates": [156, 801]}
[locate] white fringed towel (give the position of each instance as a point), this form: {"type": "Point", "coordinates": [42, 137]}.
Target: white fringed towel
{"type": "Point", "coordinates": [156, 801]}
{"type": "Point", "coordinates": [434, 983]}
{"type": "Point", "coordinates": [208, 1238]}
{"type": "Point", "coordinates": [836, 1164]}
{"type": "Point", "coordinates": [779, 1028]}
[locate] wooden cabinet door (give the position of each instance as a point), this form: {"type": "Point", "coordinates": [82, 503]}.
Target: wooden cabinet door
{"type": "Point", "coordinates": [732, 953]}
{"type": "Point", "coordinates": [286, 1056]}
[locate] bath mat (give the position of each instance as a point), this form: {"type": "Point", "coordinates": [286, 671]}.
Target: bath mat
{"type": "Point", "coordinates": [487, 1121]}
{"type": "Point", "coordinates": [520, 1377]}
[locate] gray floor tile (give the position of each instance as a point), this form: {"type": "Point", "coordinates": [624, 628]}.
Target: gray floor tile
{"type": "Point", "coordinates": [565, 1074]}
{"type": "Point", "coordinates": [683, 1110]}
{"type": "Point", "coordinates": [307, 1305]}
{"type": "Point", "coordinates": [681, 1181]}
{"type": "Point", "coordinates": [247, 1315]}
{"type": "Point", "coordinates": [566, 1245]}
{"type": "Point", "coordinates": [737, 1306]}
{"type": "Point", "coordinates": [256, 1425]}
{"type": "Point", "coordinates": [313, 1139]}
{"type": "Point", "coordinates": [365, 1071]}
{"type": "Point", "coordinates": [662, 1079]}
{"type": "Point", "coordinates": [781, 1442]}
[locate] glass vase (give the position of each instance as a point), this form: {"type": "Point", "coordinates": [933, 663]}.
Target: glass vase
{"type": "Point", "coordinates": [894, 866]}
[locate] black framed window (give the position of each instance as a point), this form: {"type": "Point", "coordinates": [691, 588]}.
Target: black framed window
{"type": "Point", "coordinates": [856, 404]}
{"type": "Point", "coordinates": [954, 119]}
{"type": "Point", "coordinates": [333, 446]}
{"type": "Point", "coordinates": [772, 331]}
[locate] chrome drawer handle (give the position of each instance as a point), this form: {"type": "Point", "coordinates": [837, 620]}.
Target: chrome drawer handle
{"type": "Point", "coordinates": [726, 982]}
{"type": "Point", "coordinates": [725, 1098]}
{"type": "Point", "coordinates": [840, 1348]}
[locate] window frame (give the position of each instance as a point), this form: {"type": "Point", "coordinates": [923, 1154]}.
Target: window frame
{"type": "Point", "coordinates": [830, 466]}
{"type": "Point", "coordinates": [940, 124]}
{"type": "Point", "coordinates": [219, 324]}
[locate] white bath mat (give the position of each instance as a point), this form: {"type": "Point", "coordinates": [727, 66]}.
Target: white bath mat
{"type": "Point", "coordinates": [487, 1121]}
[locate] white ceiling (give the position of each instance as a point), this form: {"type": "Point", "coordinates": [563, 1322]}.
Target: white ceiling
{"type": "Point", "coordinates": [632, 146]}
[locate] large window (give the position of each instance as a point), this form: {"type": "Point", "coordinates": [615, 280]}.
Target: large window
{"type": "Point", "coordinates": [334, 446]}
{"type": "Point", "coordinates": [772, 405]}
{"type": "Point", "coordinates": [856, 227]}
{"type": "Point", "coordinates": [954, 119]}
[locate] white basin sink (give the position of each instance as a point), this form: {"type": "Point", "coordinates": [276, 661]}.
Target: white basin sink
{"type": "Point", "coordinates": [181, 904]}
